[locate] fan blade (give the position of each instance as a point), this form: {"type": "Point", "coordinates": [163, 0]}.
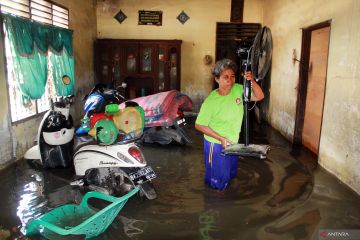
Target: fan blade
{"type": "Point", "coordinates": [261, 53]}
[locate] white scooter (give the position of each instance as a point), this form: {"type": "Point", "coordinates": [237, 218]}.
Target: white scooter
{"type": "Point", "coordinates": [116, 168]}
{"type": "Point", "coordinates": [107, 168]}
{"type": "Point", "coordinates": [55, 136]}
{"type": "Point", "coordinates": [112, 169]}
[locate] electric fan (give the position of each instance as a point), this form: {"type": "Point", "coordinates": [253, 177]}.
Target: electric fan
{"type": "Point", "coordinates": [259, 59]}
{"type": "Point", "coordinates": [261, 53]}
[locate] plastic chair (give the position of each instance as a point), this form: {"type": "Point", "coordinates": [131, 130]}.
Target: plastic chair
{"type": "Point", "coordinates": [72, 219]}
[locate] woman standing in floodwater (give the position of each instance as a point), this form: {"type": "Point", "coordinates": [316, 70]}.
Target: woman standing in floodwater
{"type": "Point", "coordinates": [220, 120]}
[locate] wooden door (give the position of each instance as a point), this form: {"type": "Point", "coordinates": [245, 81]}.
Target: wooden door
{"type": "Point", "coordinates": [318, 58]}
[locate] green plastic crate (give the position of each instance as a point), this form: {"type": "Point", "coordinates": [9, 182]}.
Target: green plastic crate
{"type": "Point", "coordinates": [72, 219]}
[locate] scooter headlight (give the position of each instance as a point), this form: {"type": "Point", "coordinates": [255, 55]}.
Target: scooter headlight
{"type": "Point", "coordinates": [137, 154]}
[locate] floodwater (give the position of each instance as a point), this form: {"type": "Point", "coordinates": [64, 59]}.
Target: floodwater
{"type": "Point", "coordinates": [286, 196]}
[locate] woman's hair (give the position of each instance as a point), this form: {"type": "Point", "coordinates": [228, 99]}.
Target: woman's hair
{"type": "Point", "coordinates": [221, 65]}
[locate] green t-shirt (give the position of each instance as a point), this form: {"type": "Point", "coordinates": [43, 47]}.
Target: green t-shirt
{"type": "Point", "coordinates": [223, 114]}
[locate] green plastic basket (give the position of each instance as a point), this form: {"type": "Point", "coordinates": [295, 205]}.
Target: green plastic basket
{"type": "Point", "coordinates": [72, 219]}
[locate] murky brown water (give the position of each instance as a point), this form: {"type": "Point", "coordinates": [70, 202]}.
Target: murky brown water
{"type": "Point", "coordinates": [286, 196]}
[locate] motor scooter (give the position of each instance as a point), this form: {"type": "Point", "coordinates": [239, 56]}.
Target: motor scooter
{"type": "Point", "coordinates": [111, 166]}
{"type": "Point", "coordinates": [55, 136]}
{"type": "Point", "coordinates": [112, 169]}
{"type": "Point", "coordinates": [164, 117]}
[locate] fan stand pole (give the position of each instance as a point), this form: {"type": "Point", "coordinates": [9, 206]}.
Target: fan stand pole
{"type": "Point", "coordinates": [246, 126]}
{"type": "Point", "coordinates": [246, 123]}
{"type": "Point", "coordinates": [247, 97]}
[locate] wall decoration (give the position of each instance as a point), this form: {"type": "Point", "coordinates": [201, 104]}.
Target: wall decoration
{"type": "Point", "coordinates": [207, 60]}
{"type": "Point", "coordinates": [150, 18]}
{"type": "Point", "coordinates": [183, 17]}
{"type": "Point", "coordinates": [120, 16]}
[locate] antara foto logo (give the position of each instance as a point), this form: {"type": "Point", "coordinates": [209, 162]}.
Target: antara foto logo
{"type": "Point", "coordinates": [323, 234]}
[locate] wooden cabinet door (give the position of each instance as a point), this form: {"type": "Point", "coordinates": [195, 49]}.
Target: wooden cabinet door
{"type": "Point", "coordinates": [146, 66]}
{"type": "Point", "coordinates": [168, 67]}
{"type": "Point", "coordinates": [103, 63]}
{"type": "Point", "coordinates": [174, 67]}
{"type": "Point", "coordinates": [131, 58]}
{"type": "Point", "coordinates": [116, 63]}
{"type": "Point", "coordinates": [147, 58]}
{"type": "Point", "coordinates": [163, 72]}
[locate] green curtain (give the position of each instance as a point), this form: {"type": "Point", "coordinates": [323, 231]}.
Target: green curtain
{"type": "Point", "coordinates": [30, 66]}
{"type": "Point", "coordinates": [29, 44]}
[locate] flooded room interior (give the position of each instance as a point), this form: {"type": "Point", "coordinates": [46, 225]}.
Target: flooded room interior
{"type": "Point", "coordinates": [110, 109]}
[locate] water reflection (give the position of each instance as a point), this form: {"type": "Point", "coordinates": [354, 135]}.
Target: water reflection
{"type": "Point", "coordinates": [208, 224]}
{"type": "Point", "coordinates": [132, 227]}
{"type": "Point", "coordinates": [30, 196]}
{"type": "Point", "coordinates": [263, 192]}
{"type": "Point", "coordinates": [276, 198]}
{"type": "Point", "coordinates": [294, 226]}
{"type": "Point", "coordinates": [33, 193]}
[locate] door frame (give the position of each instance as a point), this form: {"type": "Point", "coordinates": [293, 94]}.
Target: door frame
{"type": "Point", "coordinates": [303, 79]}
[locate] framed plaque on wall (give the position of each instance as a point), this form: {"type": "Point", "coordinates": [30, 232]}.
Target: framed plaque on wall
{"type": "Point", "coordinates": [150, 18]}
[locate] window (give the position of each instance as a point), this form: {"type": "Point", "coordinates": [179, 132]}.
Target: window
{"type": "Point", "coordinates": [44, 12]}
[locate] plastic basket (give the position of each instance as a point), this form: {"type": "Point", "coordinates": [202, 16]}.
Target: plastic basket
{"type": "Point", "coordinates": [72, 219]}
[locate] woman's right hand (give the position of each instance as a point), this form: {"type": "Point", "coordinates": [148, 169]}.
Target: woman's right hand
{"type": "Point", "coordinates": [225, 142]}
{"type": "Point", "coordinates": [208, 131]}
